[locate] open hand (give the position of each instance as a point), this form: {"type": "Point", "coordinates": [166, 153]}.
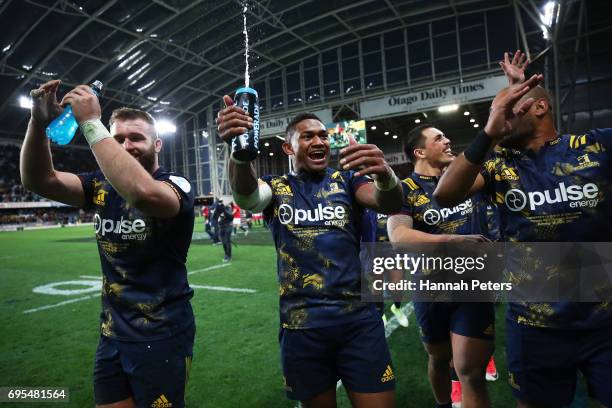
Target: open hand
{"type": "Point", "coordinates": [504, 113]}
{"type": "Point", "coordinates": [45, 107]}
{"type": "Point", "coordinates": [515, 69]}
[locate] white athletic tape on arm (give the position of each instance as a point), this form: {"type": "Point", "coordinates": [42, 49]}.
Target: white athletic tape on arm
{"type": "Point", "coordinates": [388, 185]}
{"type": "Point", "coordinates": [94, 131]}
{"type": "Point", "coordinates": [257, 201]}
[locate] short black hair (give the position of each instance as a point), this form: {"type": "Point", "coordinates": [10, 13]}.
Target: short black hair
{"type": "Point", "coordinates": [297, 119]}
{"type": "Point", "coordinates": [415, 140]}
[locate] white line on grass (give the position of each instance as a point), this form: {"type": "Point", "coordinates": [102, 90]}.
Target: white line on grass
{"type": "Point", "coordinates": [65, 302]}
{"type": "Point", "coordinates": [392, 325]}
{"type": "Point", "coordinates": [90, 277]}
{"type": "Point", "coordinates": [210, 268]}
{"type": "Point", "coordinates": [220, 288]}
{"type": "Point", "coordinates": [224, 289]}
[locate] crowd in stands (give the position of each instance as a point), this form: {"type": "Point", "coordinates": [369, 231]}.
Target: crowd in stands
{"type": "Point", "coordinates": [45, 216]}
{"type": "Point", "coordinates": [11, 189]}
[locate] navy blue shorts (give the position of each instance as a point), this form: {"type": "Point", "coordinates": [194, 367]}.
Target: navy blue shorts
{"type": "Point", "coordinates": [314, 360]}
{"type": "Point", "coordinates": [437, 320]}
{"type": "Point", "coordinates": [542, 363]}
{"type": "Point", "coordinates": [154, 373]}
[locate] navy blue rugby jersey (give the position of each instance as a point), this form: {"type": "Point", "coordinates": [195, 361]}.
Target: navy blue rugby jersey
{"type": "Point", "coordinates": [145, 293]}
{"type": "Point", "coordinates": [469, 217]}
{"type": "Point", "coordinates": [316, 226]}
{"type": "Point", "coordinates": [559, 194]}
{"type": "Point", "coordinates": [374, 226]}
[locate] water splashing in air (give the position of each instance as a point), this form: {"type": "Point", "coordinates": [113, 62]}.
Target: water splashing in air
{"type": "Point", "coordinates": [247, 79]}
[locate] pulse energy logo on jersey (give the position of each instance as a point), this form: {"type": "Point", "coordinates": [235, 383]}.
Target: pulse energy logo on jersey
{"type": "Point", "coordinates": [129, 229]}
{"type": "Point", "coordinates": [335, 216]}
{"type": "Point", "coordinates": [434, 216]}
{"type": "Point", "coordinates": [577, 196]}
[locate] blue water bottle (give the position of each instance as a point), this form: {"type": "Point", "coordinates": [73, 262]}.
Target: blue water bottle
{"type": "Point", "coordinates": [64, 127]}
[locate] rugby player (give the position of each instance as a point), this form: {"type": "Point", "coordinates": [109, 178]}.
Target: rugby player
{"type": "Point", "coordinates": [546, 342]}
{"type": "Point", "coordinates": [461, 332]}
{"type": "Point", "coordinates": [143, 222]}
{"type": "Point", "coordinates": [314, 213]}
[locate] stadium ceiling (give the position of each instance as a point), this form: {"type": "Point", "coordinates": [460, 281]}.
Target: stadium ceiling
{"type": "Point", "coordinates": [176, 57]}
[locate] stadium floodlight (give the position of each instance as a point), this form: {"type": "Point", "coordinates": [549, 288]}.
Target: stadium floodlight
{"type": "Point", "coordinates": [417, 120]}
{"type": "Point", "coordinates": [165, 127]}
{"type": "Point", "coordinates": [466, 113]}
{"type": "Point", "coordinates": [267, 144]}
{"type": "Point", "coordinates": [386, 133]}
{"type": "Point", "coordinates": [475, 125]}
{"type": "Point", "coordinates": [373, 127]}
{"type": "Point", "coordinates": [395, 136]}
{"type": "Point", "coordinates": [472, 120]}
{"type": "Point", "coordinates": [549, 17]}
{"type": "Point", "coordinates": [448, 108]}
{"type": "Point", "coordinates": [271, 153]}
{"type": "Point", "coordinates": [25, 102]}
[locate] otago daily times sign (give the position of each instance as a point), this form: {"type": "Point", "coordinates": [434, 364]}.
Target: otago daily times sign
{"type": "Point", "coordinates": [428, 98]}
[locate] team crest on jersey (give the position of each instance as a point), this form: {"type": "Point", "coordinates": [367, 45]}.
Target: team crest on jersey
{"type": "Point", "coordinates": [585, 162]}
{"type": "Point", "coordinates": [99, 197]}
{"type": "Point", "coordinates": [333, 188]}
{"type": "Point", "coordinates": [420, 200]}
{"type": "Point", "coordinates": [281, 187]}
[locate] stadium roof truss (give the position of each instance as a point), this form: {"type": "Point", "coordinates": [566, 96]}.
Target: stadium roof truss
{"type": "Point", "coordinates": [176, 58]}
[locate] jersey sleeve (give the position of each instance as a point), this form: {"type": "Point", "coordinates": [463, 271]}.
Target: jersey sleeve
{"type": "Point", "coordinates": [357, 181]}
{"type": "Point", "coordinates": [488, 171]}
{"type": "Point", "coordinates": [409, 187]}
{"type": "Point", "coordinates": [268, 212]}
{"type": "Point", "coordinates": [603, 136]}
{"type": "Point", "coordinates": [182, 188]}
{"type": "Point", "coordinates": [89, 181]}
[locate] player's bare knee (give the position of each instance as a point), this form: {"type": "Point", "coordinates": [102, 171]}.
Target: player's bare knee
{"type": "Point", "coordinates": [439, 361]}
{"type": "Point", "coordinates": [471, 376]}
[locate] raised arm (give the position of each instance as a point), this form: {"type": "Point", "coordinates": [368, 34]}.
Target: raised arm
{"type": "Point", "coordinates": [124, 172]}
{"type": "Point", "coordinates": [462, 177]}
{"type": "Point", "coordinates": [400, 230]}
{"type": "Point", "coordinates": [248, 192]}
{"type": "Point", "coordinates": [36, 165]}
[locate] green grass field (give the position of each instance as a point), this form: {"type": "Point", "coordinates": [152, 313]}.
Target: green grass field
{"type": "Point", "coordinates": [236, 361]}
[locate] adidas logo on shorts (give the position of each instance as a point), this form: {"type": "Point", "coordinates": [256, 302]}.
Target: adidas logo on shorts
{"type": "Point", "coordinates": [388, 375]}
{"type": "Point", "coordinates": [161, 402]}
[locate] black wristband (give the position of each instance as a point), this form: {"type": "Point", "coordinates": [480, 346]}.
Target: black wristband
{"type": "Point", "coordinates": [477, 151]}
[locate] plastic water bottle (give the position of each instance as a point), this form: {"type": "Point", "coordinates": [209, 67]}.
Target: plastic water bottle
{"type": "Point", "coordinates": [64, 127]}
{"type": "Point", "coordinates": [245, 147]}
